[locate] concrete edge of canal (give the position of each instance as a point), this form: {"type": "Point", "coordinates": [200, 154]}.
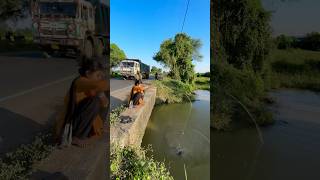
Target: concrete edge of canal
{"type": "Point", "coordinates": [132, 132]}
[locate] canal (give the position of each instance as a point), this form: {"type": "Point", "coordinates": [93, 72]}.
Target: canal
{"type": "Point", "coordinates": [291, 146]}
{"type": "Point", "coordinates": [179, 135]}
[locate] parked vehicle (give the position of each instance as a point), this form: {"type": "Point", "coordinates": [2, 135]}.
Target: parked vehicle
{"type": "Point", "coordinates": [80, 27]}
{"type": "Point", "coordinates": [129, 68]}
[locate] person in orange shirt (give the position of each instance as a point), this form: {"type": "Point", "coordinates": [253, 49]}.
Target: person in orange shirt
{"type": "Point", "coordinates": [81, 120]}
{"type": "Point", "coordinates": [137, 93]}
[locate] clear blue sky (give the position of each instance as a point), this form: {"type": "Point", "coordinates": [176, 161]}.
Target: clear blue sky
{"type": "Point", "coordinates": [139, 26]}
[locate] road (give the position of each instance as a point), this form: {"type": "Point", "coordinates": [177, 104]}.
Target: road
{"type": "Point", "coordinates": [120, 90]}
{"type": "Point", "coordinates": [32, 93]}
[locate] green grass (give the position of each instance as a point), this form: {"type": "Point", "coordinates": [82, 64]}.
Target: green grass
{"type": "Point", "coordinates": [202, 83]}
{"type": "Point", "coordinates": [296, 68]}
{"type": "Point", "coordinates": [18, 164]}
{"type": "Point", "coordinates": [132, 163]}
{"type": "Point", "coordinates": [115, 114]}
{"type": "Point", "coordinates": [173, 91]}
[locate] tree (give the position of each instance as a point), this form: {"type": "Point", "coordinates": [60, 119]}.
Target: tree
{"type": "Point", "coordinates": [311, 41]}
{"type": "Point", "coordinates": [177, 54]}
{"type": "Point", "coordinates": [155, 70]}
{"type": "Point", "coordinates": [13, 9]}
{"type": "Point", "coordinates": [244, 32]}
{"type": "Point", "coordinates": [116, 55]}
{"type": "Point", "coordinates": [285, 42]}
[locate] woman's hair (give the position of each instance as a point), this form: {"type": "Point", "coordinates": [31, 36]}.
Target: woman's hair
{"type": "Point", "coordinates": [90, 65]}
{"type": "Point", "coordinates": [137, 82]}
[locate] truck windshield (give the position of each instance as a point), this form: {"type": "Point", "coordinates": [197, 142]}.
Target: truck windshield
{"type": "Point", "coordinates": [127, 64]}
{"type": "Point", "coordinates": [58, 8]}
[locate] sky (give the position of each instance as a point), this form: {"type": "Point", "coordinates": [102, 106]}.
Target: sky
{"type": "Point", "coordinates": [139, 26]}
{"type": "Point", "coordinates": [294, 17]}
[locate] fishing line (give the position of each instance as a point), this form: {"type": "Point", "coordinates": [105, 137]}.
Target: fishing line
{"type": "Point", "coordinates": [185, 15]}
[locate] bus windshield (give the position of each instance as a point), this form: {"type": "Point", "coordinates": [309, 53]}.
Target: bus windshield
{"type": "Point", "coordinates": [58, 8]}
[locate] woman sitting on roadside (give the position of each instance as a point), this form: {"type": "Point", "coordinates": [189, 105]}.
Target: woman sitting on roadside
{"type": "Point", "coordinates": [137, 93]}
{"type": "Point", "coordinates": [81, 120]}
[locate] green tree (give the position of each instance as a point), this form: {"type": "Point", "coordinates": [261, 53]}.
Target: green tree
{"type": "Point", "coordinates": [13, 9]}
{"type": "Point", "coordinates": [311, 41]}
{"type": "Point", "coordinates": [285, 42]}
{"type": "Point", "coordinates": [244, 32]}
{"type": "Point", "coordinates": [177, 54]}
{"type": "Point", "coordinates": [116, 55]}
{"type": "Point", "coordinates": [155, 70]}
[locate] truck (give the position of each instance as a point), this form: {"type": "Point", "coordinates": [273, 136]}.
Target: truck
{"type": "Point", "coordinates": [129, 68]}
{"type": "Point", "coordinates": [78, 27]}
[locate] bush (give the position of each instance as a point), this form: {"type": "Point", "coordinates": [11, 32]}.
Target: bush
{"type": "Point", "coordinates": [237, 94]}
{"type": "Point", "coordinates": [132, 163]}
{"type": "Point", "coordinates": [173, 91]}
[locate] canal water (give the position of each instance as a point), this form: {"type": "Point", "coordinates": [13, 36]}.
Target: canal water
{"type": "Point", "coordinates": [290, 150]}
{"type": "Point", "coordinates": [179, 135]}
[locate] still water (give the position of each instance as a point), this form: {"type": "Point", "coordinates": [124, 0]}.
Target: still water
{"type": "Point", "coordinates": [290, 150]}
{"type": "Point", "coordinates": [179, 135]}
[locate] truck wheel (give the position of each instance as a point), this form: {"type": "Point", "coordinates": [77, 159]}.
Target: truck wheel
{"type": "Point", "coordinates": [88, 49]}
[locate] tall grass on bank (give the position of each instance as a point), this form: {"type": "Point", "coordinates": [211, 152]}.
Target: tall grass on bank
{"type": "Point", "coordinates": [132, 163]}
{"type": "Point", "coordinates": [247, 87]}
{"type": "Point", "coordinates": [173, 91]}
{"type": "Point", "coordinates": [202, 83]}
{"type": "Point", "coordinates": [295, 68]}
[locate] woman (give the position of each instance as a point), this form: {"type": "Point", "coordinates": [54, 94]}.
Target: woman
{"type": "Point", "coordinates": [137, 93]}
{"type": "Point", "coordinates": [81, 119]}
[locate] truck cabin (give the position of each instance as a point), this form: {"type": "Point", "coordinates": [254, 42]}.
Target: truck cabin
{"type": "Point", "coordinates": [75, 9]}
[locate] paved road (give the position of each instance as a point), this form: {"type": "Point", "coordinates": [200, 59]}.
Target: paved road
{"type": "Point", "coordinates": [120, 90]}
{"type": "Point", "coordinates": [32, 92]}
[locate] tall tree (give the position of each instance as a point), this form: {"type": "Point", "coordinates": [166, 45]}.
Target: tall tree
{"type": "Point", "coordinates": [177, 54]}
{"type": "Point", "coordinates": [244, 32]}
{"type": "Point", "coordinates": [116, 55]}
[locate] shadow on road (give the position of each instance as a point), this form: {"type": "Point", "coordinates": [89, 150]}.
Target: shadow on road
{"type": "Point", "coordinates": [15, 130]}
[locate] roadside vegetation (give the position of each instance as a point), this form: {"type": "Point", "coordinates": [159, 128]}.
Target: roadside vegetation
{"type": "Point", "coordinates": [132, 163]}
{"type": "Point", "coordinates": [18, 164]}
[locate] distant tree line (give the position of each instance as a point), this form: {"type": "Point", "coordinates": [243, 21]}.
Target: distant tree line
{"type": "Point", "coordinates": [310, 42]}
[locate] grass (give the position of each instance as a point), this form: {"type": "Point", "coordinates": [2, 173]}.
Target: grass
{"type": "Point", "coordinates": [6, 46]}
{"type": "Point", "coordinates": [18, 164]}
{"type": "Point", "coordinates": [202, 83]}
{"type": "Point", "coordinates": [132, 163]}
{"type": "Point", "coordinates": [173, 91]}
{"type": "Point", "coordinates": [296, 68]}
{"type": "Point", "coordinates": [115, 114]}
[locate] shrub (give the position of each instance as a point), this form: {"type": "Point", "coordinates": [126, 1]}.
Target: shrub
{"type": "Point", "coordinates": [132, 163]}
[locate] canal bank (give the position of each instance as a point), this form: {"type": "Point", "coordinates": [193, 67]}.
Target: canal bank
{"type": "Point", "coordinates": [290, 148]}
